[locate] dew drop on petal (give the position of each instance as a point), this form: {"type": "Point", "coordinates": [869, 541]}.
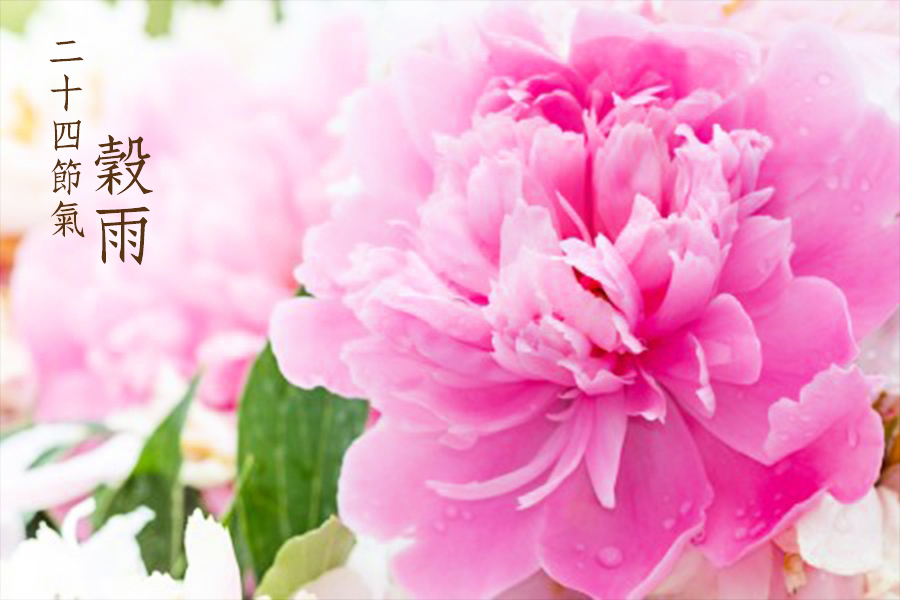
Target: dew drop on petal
{"type": "Point", "coordinates": [804, 131]}
{"type": "Point", "coordinates": [466, 515]}
{"type": "Point", "coordinates": [824, 79]}
{"type": "Point", "coordinates": [865, 185]}
{"type": "Point", "coordinates": [440, 527]}
{"type": "Point", "coordinates": [451, 512]}
{"type": "Point", "coordinates": [685, 508]}
{"type": "Point", "coordinates": [739, 513]}
{"type": "Point", "coordinates": [757, 529]}
{"type": "Point", "coordinates": [668, 524]}
{"type": "Point", "coordinates": [740, 533]}
{"type": "Point", "coordinates": [782, 468]}
{"type": "Point", "coordinates": [857, 208]}
{"type": "Point", "coordinates": [852, 438]}
{"type": "Point", "coordinates": [832, 182]}
{"type": "Point", "coordinates": [579, 548]}
{"type": "Point", "coordinates": [610, 557]}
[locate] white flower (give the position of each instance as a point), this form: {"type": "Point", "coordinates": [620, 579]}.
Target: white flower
{"type": "Point", "coordinates": [844, 539]}
{"type": "Point", "coordinates": [884, 582]}
{"type": "Point", "coordinates": [24, 489]}
{"type": "Point", "coordinates": [212, 572]}
{"type": "Point", "coordinates": [54, 565]}
{"type": "Point", "coordinates": [854, 539]}
{"type": "Point", "coordinates": [108, 565]}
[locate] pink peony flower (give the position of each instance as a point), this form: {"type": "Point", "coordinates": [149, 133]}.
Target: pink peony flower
{"type": "Point", "coordinates": [603, 299]}
{"type": "Point", "coordinates": [237, 174]}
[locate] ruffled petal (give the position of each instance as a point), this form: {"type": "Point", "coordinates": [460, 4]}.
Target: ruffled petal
{"type": "Point", "coordinates": [840, 452]}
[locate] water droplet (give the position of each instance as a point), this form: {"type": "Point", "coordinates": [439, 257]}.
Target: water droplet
{"type": "Point", "coordinates": [579, 548]}
{"type": "Point", "coordinates": [802, 45]}
{"type": "Point", "coordinates": [739, 513]}
{"type": "Point", "coordinates": [685, 508]}
{"type": "Point", "coordinates": [451, 512]}
{"type": "Point", "coordinates": [757, 513]}
{"type": "Point", "coordinates": [852, 438]}
{"type": "Point", "coordinates": [466, 515]}
{"type": "Point", "coordinates": [804, 131]}
{"type": "Point", "coordinates": [824, 79]}
{"type": "Point", "coordinates": [668, 524]}
{"type": "Point", "coordinates": [580, 565]}
{"type": "Point", "coordinates": [865, 185]}
{"type": "Point", "coordinates": [832, 182]}
{"type": "Point", "coordinates": [699, 538]}
{"type": "Point", "coordinates": [808, 100]}
{"type": "Point", "coordinates": [740, 533]}
{"type": "Point", "coordinates": [610, 557]}
{"type": "Point", "coordinates": [440, 527]}
{"type": "Point", "coordinates": [782, 468]}
{"type": "Point", "coordinates": [857, 208]}
{"type": "Point", "coordinates": [757, 529]}
{"type": "Point", "coordinates": [778, 496]}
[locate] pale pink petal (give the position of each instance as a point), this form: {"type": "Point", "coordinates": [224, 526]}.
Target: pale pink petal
{"type": "Point", "coordinates": [309, 366]}
{"type": "Point", "coordinates": [832, 149]}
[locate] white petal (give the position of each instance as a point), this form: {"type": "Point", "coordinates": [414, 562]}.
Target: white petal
{"type": "Point", "coordinates": [212, 572]}
{"type": "Point", "coordinates": [61, 482]}
{"type": "Point", "coordinates": [844, 539]}
{"type": "Point", "coordinates": [341, 583]}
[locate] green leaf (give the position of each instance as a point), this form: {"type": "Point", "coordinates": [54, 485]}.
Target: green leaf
{"type": "Point", "coordinates": [34, 523]}
{"type": "Point", "coordinates": [154, 483]}
{"type": "Point", "coordinates": [304, 558]}
{"type": "Point", "coordinates": [295, 441]}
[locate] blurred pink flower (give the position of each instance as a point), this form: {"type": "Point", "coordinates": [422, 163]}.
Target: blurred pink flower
{"type": "Point", "coordinates": [869, 30]}
{"type": "Point", "coordinates": [238, 173]}
{"type": "Point", "coordinates": [602, 303]}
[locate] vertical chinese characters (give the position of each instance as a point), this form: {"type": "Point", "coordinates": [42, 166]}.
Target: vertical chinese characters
{"type": "Point", "coordinates": [118, 233]}
{"type": "Point", "coordinates": [115, 233]}
{"type": "Point", "coordinates": [66, 175]}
